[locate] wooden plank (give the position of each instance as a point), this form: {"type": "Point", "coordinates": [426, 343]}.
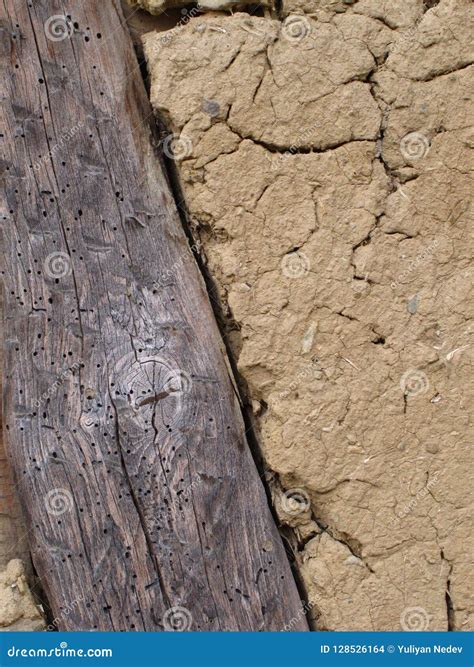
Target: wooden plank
{"type": "Point", "coordinates": [13, 533]}
{"type": "Point", "coordinates": [124, 430]}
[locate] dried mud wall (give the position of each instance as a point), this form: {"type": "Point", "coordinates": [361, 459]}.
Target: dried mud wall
{"type": "Point", "coordinates": [325, 159]}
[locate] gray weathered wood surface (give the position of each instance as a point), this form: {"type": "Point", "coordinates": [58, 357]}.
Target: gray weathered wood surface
{"type": "Point", "coordinates": [123, 427]}
{"type": "Point", "coordinates": [13, 533]}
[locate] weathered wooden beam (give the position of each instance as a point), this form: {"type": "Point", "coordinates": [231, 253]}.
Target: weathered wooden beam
{"type": "Point", "coordinates": [12, 531]}
{"type": "Point", "coordinates": [124, 429]}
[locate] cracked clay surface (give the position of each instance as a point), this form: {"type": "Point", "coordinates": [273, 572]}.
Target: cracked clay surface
{"type": "Point", "coordinates": [326, 164]}
{"type": "Point", "coordinates": [18, 609]}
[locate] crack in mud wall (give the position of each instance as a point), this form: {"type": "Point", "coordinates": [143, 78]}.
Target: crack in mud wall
{"type": "Point", "coordinates": [326, 163]}
{"type": "Point", "coordinates": [226, 324]}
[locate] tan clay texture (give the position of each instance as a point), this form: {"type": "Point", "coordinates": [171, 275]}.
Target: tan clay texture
{"type": "Point", "coordinates": [18, 611]}
{"type": "Point", "coordinates": [327, 167]}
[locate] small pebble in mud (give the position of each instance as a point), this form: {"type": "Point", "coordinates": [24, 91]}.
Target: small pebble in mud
{"type": "Point", "coordinates": [432, 447]}
{"type": "Point", "coordinates": [412, 305]}
{"type": "Point", "coordinates": [211, 107]}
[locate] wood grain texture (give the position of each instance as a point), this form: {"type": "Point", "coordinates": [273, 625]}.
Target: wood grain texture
{"type": "Point", "coordinates": [124, 428]}
{"type": "Point", "coordinates": [13, 532]}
